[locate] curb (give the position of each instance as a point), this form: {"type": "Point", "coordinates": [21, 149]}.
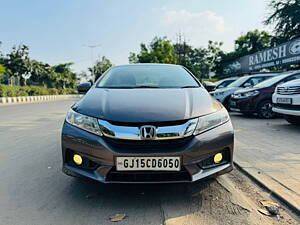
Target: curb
{"type": "Point", "coordinates": [42, 98]}
{"type": "Point", "coordinates": [273, 193]}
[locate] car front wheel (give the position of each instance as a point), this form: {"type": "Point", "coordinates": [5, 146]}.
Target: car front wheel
{"type": "Point", "coordinates": [264, 110]}
{"type": "Point", "coordinates": [293, 119]}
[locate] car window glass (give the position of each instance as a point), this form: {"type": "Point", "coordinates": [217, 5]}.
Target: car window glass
{"type": "Point", "coordinates": [253, 81]}
{"type": "Point", "coordinates": [293, 77]}
{"type": "Point", "coordinates": [147, 76]}
{"type": "Point", "coordinates": [226, 83]}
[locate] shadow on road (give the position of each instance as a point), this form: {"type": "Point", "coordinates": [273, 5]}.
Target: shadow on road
{"type": "Point", "coordinates": [186, 197]}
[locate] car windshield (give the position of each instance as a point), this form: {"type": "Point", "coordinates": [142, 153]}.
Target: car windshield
{"type": "Point", "coordinates": [224, 83]}
{"type": "Point", "coordinates": [238, 82]}
{"type": "Point", "coordinates": [147, 76]}
{"type": "Point", "coordinates": [271, 81]}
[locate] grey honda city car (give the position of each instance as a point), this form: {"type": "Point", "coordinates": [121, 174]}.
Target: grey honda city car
{"type": "Point", "coordinates": [147, 123]}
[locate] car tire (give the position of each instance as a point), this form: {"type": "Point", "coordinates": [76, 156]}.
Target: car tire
{"type": "Point", "coordinates": [264, 110]}
{"type": "Point", "coordinates": [295, 120]}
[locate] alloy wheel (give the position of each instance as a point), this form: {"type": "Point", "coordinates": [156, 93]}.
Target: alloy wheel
{"type": "Point", "coordinates": [266, 111]}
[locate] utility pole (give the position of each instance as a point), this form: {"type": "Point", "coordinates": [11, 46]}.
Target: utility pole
{"type": "Point", "coordinates": [92, 47]}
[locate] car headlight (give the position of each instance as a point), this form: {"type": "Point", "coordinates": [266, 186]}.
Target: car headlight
{"type": "Point", "coordinates": [211, 121]}
{"type": "Point", "coordinates": [246, 94]}
{"type": "Point", "coordinates": [219, 93]}
{"type": "Point", "coordinates": [84, 122]}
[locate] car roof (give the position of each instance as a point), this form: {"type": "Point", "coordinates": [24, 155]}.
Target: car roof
{"type": "Point", "coordinates": [291, 72]}
{"type": "Point", "coordinates": [147, 64]}
{"type": "Point", "coordinates": [263, 74]}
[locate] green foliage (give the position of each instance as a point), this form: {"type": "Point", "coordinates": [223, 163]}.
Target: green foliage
{"type": "Point", "coordinates": [14, 91]}
{"type": "Point", "coordinates": [194, 59]}
{"type": "Point", "coordinates": [160, 50]}
{"type": "Point", "coordinates": [63, 76]}
{"type": "Point", "coordinates": [2, 73]}
{"type": "Point", "coordinates": [252, 41]}
{"type": "Point", "coordinates": [100, 67]}
{"type": "Point", "coordinates": [249, 43]}
{"type": "Point", "coordinates": [17, 62]}
{"type": "Point", "coordinates": [285, 16]}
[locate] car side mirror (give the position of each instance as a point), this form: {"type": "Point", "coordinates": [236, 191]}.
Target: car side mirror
{"type": "Point", "coordinates": [247, 85]}
{"type": "Point", "coordinates": [84, 87]}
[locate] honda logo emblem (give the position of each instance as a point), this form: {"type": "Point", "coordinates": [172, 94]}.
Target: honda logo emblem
{"type": "Point", "coordinates": [148, 132]}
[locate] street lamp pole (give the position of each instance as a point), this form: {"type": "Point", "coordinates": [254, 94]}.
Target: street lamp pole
{"type": "Point", "coordinates": [92, 47]}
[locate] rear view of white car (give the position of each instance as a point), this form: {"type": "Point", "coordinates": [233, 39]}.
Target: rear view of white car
{"type": "Point", "coordinates": [286, 100]}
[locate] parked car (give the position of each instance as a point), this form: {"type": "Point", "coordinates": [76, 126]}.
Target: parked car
{"type": "Point", "coordinates": [286, 101]}
{"type": "Point", "coordinates": [225, 82]}
{"type": "Point", "coordinates": [145, 123]}
{"type": "Point", "coordinates": [223, 95]}
{"type": "Point", "coordinates": [258, 99]}
{"type": "Point", "coordinates": [209, 86]}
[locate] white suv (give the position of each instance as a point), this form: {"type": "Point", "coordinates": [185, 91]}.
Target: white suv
{"type": "Point", "coordinates": [286, 100]}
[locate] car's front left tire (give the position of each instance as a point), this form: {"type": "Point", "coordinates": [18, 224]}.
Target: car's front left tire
{"type": "Point", "coordinates": [264, 110]}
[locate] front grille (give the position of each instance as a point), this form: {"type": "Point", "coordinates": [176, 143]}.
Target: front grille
{"type": "Point", "coordinates": [287, 106]}
{"type": "Point", "coordinates": [147, 176]}
{"type": "Point", "coordinates": [288, 90]}
{"type": "Point", "coordinates": [148, 146]}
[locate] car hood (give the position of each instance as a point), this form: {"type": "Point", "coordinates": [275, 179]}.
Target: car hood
{"type": "Point", "coordinates": [226, 89]}
{"type": "Point", "coordinates": [146, 105]}
{"type": "Point", "coordinates": [290, 83]}
{"type": "Point", "coordinates": [244, 90]}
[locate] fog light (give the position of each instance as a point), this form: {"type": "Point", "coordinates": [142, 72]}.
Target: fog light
{"type": "Point", "coordinates": [218, 157]}
{"type": "Point", "coordinates": [77, 159]}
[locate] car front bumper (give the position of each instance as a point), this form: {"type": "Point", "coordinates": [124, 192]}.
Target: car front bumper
{"type": "Point", "coordinates": [101, 153]}
{"type": "Point", "coordinates": [287, 109]}
{"type": "Point", "coordinates": [243, 105]}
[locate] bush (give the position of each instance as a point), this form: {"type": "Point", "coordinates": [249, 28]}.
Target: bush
{"type": "Point", "coordinates": [15, 91]}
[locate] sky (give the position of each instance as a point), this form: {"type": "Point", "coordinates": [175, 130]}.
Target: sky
{"type": "Point", "coordinates": [59, 31]}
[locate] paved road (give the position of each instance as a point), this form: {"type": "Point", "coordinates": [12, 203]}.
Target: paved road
{"type": "Point", "coordinates": [270, 151]}
{"type": "Point", "coordinates": [33, 189]}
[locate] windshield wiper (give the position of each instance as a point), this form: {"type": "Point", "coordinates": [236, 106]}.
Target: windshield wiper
{"type": "Point", "coordinates": [146, 86]}
{"type": "Point", "coordinates": [189, 86]}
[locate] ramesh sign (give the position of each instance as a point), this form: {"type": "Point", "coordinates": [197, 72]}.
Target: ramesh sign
{"type": "Point", "coordinates": [287, 53]}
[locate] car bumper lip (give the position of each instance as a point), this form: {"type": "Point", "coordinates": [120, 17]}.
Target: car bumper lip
{"type": "Point", "coordinates": [203, 173]}
{"type": "Point", "coordinates": [244, 105]}
{"type": "Point", "coordinates": [197, 149]}
{"type": "Point", "coordinates": [286, 111]}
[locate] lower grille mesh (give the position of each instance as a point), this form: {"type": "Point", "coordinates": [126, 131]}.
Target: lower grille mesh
{"type": "Point", "coordinates": [148, 176]}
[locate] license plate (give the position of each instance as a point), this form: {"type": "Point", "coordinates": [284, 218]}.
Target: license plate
{"type": "Point", "coordinates": [284, 100]}
{"type": "Point", "coordinates": [148, 163]}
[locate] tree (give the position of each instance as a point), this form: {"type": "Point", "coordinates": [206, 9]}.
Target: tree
{"type": "Point", "coordinates": [252, 41]}
{"type": "Point", "coordinates": [64, 77]}
{"type": "Point", "coordinates": [42, 73]}
{"type": "Point", "coordinates": [2, 73]}
{"type": "Point", "coordinates": [100, 67]}
{"type": "Point", "coordinates": [285, 15]}
{"type": "Point", "coordinates": [194, 59]}
{"type": "Point", "coordinates": [17, 63]}
{"type": "Point", "coordinates": [160, 50]}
